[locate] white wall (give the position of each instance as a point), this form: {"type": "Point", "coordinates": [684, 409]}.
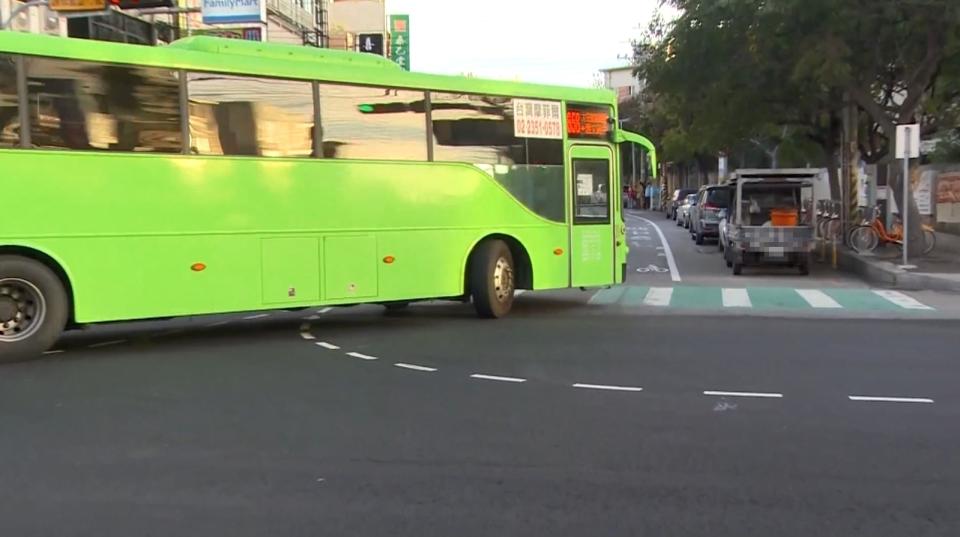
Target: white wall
{"type": "Point", "coordinates": [358, 16]}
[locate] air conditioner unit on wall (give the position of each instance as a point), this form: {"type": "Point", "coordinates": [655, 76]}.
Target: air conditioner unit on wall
{"type": "Point", "coordinates": [50, 22]}
{"type": "Point", "coordinates": [35, 20]}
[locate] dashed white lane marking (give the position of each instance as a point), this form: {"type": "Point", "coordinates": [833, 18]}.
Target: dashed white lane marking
{"type": "Point", "coordinates": [258, 316]}
{"type": "Point", "coordinates": [106, 344]}
{"type": "Point", "coordinates": [329, 346]}
{"type": "Point", "coordinates": [59, 351]}
{"type": "Point", "coordinates": [736, 298]}
{"type": "Point", "coordinates": [659, 247]}
{"type": "Point", "coordinates": [744, 394]}
{"type": "Point", "coordinates": [674, 272]}
{"type": "Point", "coordinates": [498, 378]}
{"type": "Point", "coordinates": [325, 310]}
{"type": "Point", "coordinates": [311, 318]}
{"type": "Point", "coordinates": [818, 299]}
{"type": "Point", "coordinates": [307, 336]}
{"type": "Point", "coordinates": [611, 388]}
{"type": "Point", "coordinates": [218, 323]}
{"type": "Point", "coordinates": [658, 296]}
{"type": "Point", "coordinates": [874, 399]}
{"type": "Point", "coordinates": [902, 300]}
{"type": "Point", "coordinates": [362, 356]}
{"type": "Point", "coordinates": [519, 292]}
{"type": "Point", "coordinates": [415, 367]}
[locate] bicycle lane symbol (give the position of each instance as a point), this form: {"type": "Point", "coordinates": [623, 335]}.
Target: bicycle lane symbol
{"type": "Point", "coordinates": [652, 268]}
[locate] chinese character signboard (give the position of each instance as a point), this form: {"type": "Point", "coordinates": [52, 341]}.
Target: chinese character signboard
{"type": "Point", "coordinates": [233, 11]}
{"type": "Point", "coordinates": [537, 119]}
{"type": "Point", "coordinates": [78, 5]}
{"type": "Point", "coordinates": [400, 40]}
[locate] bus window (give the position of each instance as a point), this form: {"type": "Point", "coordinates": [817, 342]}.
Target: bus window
{"type": "Point", "coordinates": [373, 123]}
{"type": "Point", "coordinates": [9, 105]}
{"type": "Point", "coordinates": [479, 130]}
{"type": "Point", "coordinates": [249, 116]}
{"type": "Point", "coordinates": [83, 105]}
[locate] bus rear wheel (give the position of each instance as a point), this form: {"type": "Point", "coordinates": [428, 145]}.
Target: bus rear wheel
{"type": "Point", "coordinates": [492, 283]}
{"type": "Point", "coordinates": [33, 308]}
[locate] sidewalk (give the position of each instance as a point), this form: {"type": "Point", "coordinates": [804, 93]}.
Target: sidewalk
{"type": "Point", "coordinates": [939, 271]}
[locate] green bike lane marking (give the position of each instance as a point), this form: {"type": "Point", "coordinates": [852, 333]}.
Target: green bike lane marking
{"type": "Point", "coordinates": [697, 298]}
{"type": "Point", "coordinates": [606, 297]}
{"type": "Point", "coordinates": [772, 298]}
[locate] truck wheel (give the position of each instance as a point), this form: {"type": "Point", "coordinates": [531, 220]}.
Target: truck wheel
{"type": "Point", "coordinates": [699, 238]}
{"type": "Point", "coordinates": [804, 265]}
{"type": "Point", "coordinates": [491, 279]}
{"type": "Point", "coordinates": [33, 308]}
{"type": "Point", "coordinates": [737, 268]}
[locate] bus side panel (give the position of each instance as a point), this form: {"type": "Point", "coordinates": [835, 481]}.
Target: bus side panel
{"type": "Point", "coordinates": [153, 236]}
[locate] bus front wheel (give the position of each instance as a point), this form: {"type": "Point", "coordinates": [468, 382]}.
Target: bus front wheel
{"type": "Point", "coordinates": [492, 281]}
{"type": "Point", "coordinates": [33, 308]}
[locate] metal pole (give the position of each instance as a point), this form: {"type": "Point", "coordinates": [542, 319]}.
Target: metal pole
{"type": "Point", "coordinates": [633, 164]}
{"type": "Point", "coordinates": [906, 194]}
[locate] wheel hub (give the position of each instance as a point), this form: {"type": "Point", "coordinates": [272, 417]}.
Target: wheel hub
{"type": "Point", "coordinates": [8, 309]}
{"type": "Point", "coordinates": [503, 279]}
{"type": "Point", "coordinates": [22, 309]}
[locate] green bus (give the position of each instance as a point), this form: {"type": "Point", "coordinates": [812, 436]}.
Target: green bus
{"type": "Point", "coordinates": [217, 175]}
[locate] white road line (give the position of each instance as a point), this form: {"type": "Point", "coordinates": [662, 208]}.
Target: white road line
{"type": "Point", "coordinates": [890, 399]}
{"type": "Point", "coordinates": [674, 272]}
{"type": "Point", "coordinates": [258, 316]}
{"type": "Point", "coordinates": [494, 377]}
{"type": "Point", "coordinates": [818, 299]}
{"type": "Point", "coordinates": [325, 310]}
{"type": "Point", "coordinates": [611, 388]}
{"type": "Point", "coordinates": [519, 292]}
{"type": "Point", "coordinates": [311, 318]}
{"type": "Point", "coordinates": [415, 367]}
{"type": "Point", "coordinates": [362, 356]}
{"type": "Point", "coordinates": [744, 394]}
{"type": "Point", "coordinates": [736, 298]}
{"type": "Point", "coordinates": [329, 346]}
{"type": "Point", "coordinates": [658, 296]}
{"type": "Point", "coordinates": [219, 323]}
{"type": "Point", "coordinates": [307, 336]}
{"type": "Point", "coordinates": [60, 351]}
{"type": "Point", "coordinates": [902, 300]}
{"type": "Point", "coordinates": [106, 344]}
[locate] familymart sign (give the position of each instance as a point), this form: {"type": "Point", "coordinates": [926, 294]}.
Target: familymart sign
{"type": "Point", "coordinates": [233, 11]}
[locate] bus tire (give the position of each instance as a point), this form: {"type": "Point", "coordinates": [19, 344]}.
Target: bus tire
{"type": "Point", "coordinates": [33, 308]}
{"type": "Point", "coordinates": [492, 279]}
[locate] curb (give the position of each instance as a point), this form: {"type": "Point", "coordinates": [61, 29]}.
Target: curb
{"type": "Point", "coordinates": [880, 272]}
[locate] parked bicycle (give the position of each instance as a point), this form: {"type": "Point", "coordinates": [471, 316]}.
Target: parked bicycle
{"type": "Point", "coordinates": [869, 235]}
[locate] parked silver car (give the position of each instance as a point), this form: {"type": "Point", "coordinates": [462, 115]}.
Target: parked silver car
{"type": "Point", "coordinates": [704, 214]}
{"type": "Point", "coordinates": [683, 212]}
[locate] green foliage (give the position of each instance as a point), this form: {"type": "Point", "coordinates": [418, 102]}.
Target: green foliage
{"type": "Point", "coordinates": [729, 72]}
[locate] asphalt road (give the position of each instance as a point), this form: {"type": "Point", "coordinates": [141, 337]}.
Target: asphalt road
{"type": "Point", "coordinates": [567, 418]}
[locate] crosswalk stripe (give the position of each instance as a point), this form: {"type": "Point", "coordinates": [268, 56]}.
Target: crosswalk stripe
{"type": "Point", "coordinates": [736, 298]}
{"type": "Point", "coordinates": [902, 300]}
{"type": "Point", "coordinates": [818, 299]}
{"type": "Point", "coordinates": [659, 296]}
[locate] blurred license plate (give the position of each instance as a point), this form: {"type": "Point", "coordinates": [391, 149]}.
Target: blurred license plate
{"type": "Point", "coordinates": [775, 251]}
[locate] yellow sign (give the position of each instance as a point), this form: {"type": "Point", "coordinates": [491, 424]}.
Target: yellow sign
{"type": "Point", "coordinates": [78, 5]}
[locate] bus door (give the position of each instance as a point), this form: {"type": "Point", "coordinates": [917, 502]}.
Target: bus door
{"type": "Point", "coordinates": [592, 239]}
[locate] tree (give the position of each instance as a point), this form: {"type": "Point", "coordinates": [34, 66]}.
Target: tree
{"type": "Point", "coordinates": [747, 70]}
